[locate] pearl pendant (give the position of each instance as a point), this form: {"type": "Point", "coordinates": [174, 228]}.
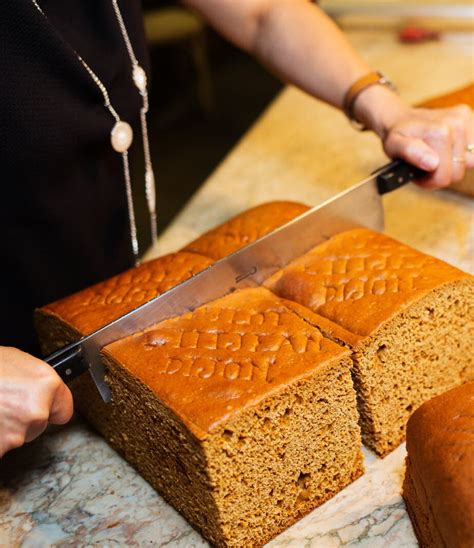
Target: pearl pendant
{"type": "Point", "coordinates": [139, 77]}
{"type": "Point", "coordinates": [121, 136]}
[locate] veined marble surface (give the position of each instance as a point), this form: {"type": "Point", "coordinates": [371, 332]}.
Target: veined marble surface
{"type": "Point", "coordinates": [70, 489]}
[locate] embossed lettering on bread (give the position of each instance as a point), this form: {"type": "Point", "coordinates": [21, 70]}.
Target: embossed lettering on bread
{"type": "Point", "coordinates": [245, 228]}
{"type": "Point", "coordinates": [408, 317]}
{"type": "Point", "coordinates": [90, 309]}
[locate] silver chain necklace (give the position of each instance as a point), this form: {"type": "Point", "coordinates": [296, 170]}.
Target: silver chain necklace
{"type": "Point", "coordinates": [121, 136]}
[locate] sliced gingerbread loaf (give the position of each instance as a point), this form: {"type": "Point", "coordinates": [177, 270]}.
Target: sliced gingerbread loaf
{"type": "Point", "coordinates": [439, 481]}
{"type": "Point", "coordinates": [245, 228]}
{"type": "Point", "coordinates": [408, 317]}
{"type": "Point", "coordinates": [463, 96]}
{"type": "Point", "coordinates": [241, 414]}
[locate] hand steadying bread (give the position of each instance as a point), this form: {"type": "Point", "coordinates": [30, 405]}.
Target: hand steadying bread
{"type": "Point", "coordinates": [291, 38]}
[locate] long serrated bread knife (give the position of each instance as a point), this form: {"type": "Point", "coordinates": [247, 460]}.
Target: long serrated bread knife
{"type": "Point", "coordinates": [360, 205]}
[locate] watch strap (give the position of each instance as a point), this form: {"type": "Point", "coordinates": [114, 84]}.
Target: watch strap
{"type": "Point", "coordinates": [371, 79]}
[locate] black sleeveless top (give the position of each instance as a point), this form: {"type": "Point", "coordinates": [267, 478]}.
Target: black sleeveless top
{"type": "Point", "coordinates": [63, 216]}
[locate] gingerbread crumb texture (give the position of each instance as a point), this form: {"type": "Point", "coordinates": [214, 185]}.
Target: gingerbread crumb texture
{"type": "Point", "coordinates": [408, 317]}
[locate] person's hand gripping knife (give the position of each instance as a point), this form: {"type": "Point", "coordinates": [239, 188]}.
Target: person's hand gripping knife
{"type": "Point", "coordinates": [31, 396]}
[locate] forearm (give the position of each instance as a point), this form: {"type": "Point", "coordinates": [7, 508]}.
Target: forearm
{"type": "Point", "coordinates": [304, 47]}
{"type": "Point", "coordinates": [293, 38]}
{"type": "Point", "coordinates": [297, 41]}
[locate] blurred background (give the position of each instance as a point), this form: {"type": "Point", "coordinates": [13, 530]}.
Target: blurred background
{"type": "Point", "coordinates": [206, 93]}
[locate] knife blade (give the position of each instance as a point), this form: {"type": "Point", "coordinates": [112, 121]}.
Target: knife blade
{"type": "Point", "coordinates": [360, 205]}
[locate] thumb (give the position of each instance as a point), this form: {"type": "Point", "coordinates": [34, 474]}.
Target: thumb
{"type": "Point", "coordinates": [62, 406]}
{"type": "Point", "coordinates": [411, 149]}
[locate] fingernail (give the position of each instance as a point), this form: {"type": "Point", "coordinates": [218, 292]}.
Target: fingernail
{"type": "Point", "coordinates": [429, 162]}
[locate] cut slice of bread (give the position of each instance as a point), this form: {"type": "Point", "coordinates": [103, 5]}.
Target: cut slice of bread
{"type": "Point", "coordinates": [241, 414]}
{"type": "Point", "coordinates": [408, 317]}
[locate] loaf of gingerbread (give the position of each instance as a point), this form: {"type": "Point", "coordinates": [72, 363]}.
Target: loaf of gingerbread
{"type": "Point", "coordinates": [439, 480]}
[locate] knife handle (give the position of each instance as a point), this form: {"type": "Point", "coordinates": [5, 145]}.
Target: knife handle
{"type": "Point", "coordinates": [68, 363]}
{"type": "Point", "coordinates": [397, 174]}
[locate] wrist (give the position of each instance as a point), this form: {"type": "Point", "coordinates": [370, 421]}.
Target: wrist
{"type": "Point", "coordinates": [378, 108]}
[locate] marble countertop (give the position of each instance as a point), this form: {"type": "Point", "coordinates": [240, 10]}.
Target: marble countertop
{"type": "Point", "coordinates": [70, 489]}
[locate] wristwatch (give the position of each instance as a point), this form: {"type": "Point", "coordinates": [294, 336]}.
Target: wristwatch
{"type": "Point", "coordinates": [374, 78]}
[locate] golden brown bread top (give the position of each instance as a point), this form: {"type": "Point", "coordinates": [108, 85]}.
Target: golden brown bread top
{"type": "Point", "coordinates": [440, 445]}
{"type": "Point", "coordinates": [460, 96]}
{"type": "Point", "coordinates": [225, 356]}
{"type": "Point", "coordinates": [360, 279]}
{"type": "Point", "coordinates": [99, 304]}
{"type": "Point", "coordinates": [244, 229]}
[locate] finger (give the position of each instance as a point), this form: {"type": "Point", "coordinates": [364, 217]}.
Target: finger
{"type": "Point", "coordinates": [35, 429]}
{"type": "Point", "coordinates": [458, 134]}
{"type": "Point", "coordinates": [411, 149]}
{"type": "Point", "coordinates": [470, 140]}
{"type": "Point", "coordinates": [11, 441]}
{"type": "Point", "coordinates": [62, 406]}
{"type": "Point", "coordinates": [439, 137]}
{"type": "Point", "coordinates": [37, 408]}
